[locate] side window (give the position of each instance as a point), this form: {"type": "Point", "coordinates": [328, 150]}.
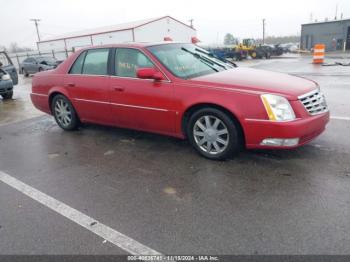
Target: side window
{"type": "Point", "coordinates": [29, 60]}
{"type": "Point", "coordinates": [96, 62]}
{"type": "Point", "coordinates": [78, 64]}
{"type": "Point", "coordinates": [4, 60]}
{"type": "Point", "coordinates": [128, 60]}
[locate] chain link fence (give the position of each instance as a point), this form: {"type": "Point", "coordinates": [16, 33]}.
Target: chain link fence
{"type": "Point", "coordinates": [18, 58]}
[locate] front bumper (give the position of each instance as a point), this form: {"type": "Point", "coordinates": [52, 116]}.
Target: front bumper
{"type": "Point", "coordinates": [6, 86]}
{"type": "Point", "coordinates": [305, 129]}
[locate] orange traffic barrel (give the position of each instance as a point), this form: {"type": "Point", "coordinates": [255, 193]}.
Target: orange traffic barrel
{"type": "Point", "coordinates": [319, 51]}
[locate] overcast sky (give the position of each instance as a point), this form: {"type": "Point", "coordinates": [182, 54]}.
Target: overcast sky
{"type": "Point", "coordinates": [212, 19]}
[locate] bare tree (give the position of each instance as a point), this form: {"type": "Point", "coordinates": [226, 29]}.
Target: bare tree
{"type": "Point", "coordinates": [14, 48]}
{"type": "Point", "coordinates": [230, 39]}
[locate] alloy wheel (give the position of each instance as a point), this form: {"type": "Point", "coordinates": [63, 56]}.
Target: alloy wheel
{"type": "Point", "coordinates": [211, 134]}
{"type": "Point", "coordinates": [63, 112]}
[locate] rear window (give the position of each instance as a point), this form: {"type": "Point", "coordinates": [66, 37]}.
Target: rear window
{"type": "Point", "coordinates": [96, 62]}
{"type": "Point", "coordinates": [91, 62]}
{"type": "Point", "coordinates": [78, 64]}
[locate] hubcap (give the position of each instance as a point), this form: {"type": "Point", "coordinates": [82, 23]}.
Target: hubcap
{"type": "Point", "coordinates": [63, 113]}
{"type": "Point", "coordinates": [211, 134]}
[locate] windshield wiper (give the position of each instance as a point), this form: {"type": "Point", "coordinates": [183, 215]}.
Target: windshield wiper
{"type": "Point", "coordinates": [201, 58]}
{"type": "Point", "coordinates": [206, 59]}
{"type": "Point", "coordinates": [216, 57]}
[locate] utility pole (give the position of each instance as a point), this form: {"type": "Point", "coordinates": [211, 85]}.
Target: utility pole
{"type": "Point", "coordinates": [336, 12]}
{"type": "Point", "coordinates": [263, 24]}
{"type": "Point", "coordinates": [35, 20]}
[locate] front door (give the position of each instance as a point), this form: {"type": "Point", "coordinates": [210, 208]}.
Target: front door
{"type": "Point", "coordinates": [88, 86]}
{"type": "Point", "coordinates": [136, 103]}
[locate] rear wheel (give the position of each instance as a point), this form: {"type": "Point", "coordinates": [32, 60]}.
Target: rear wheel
{"type": "Point", "coordinates": [213, 134]}
{"type": "Point", "coordinates": [25, 73]}
{"type": "Point", "coordinates": [64, 113]}
{"type": "Point", "coordinates": [7, 95]}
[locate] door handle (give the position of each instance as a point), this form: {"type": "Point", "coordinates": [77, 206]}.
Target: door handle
{"type": "Point", "coordinates": [118, 89]}
{"type": "Point", "coordinates": [70, 84]}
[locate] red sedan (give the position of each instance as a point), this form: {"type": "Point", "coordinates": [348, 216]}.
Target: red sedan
{"type": "Point", "coordinates": [181, 90]}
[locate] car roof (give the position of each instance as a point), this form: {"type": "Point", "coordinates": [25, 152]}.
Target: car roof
{"type": "Point", "coordinates": [134, 44]}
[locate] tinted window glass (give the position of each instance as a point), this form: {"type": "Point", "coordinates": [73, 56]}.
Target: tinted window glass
{"type": "Point", "coordinates": [78, 64]}
{"type": "Point", "coordinates": [29, 60]}
{"type": "Point", "coordinates": [128, 60]}
{"type": "Point", "coordinates": [96, 62]}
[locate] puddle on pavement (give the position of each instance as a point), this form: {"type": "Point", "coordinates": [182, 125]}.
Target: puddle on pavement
{"type": "Point", "coordinates": [20, 107]}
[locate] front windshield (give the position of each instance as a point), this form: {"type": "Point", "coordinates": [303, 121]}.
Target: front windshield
{"type": "Point", "coordinates": [187, 60]}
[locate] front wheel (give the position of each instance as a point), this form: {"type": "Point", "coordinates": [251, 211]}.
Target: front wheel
{"type": "Point", "coordinates": [7, 95]}
{"type": "Point", "coordinates": [64, 113]}
{"type": "Point", "coordinates": [25, 73]}
{"type": "Point", "coordinates": [213, 134]}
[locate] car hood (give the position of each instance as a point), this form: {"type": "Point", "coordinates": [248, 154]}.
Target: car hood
{"type": "Point", "coordinates": [258, 81]}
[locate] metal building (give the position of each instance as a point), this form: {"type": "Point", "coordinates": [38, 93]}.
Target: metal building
{"type": "Point", "coordinates": [334, 34]}
{"type": "Point", "coordinates": [155, 29]}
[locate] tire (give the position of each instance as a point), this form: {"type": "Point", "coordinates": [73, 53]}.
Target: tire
{"type": "Point", "coordinates": [40, 69]}
{"type": "Point", "coordinates": [224, 144]}
{"type": "Point", "coordinates": [68, 119]}
{"type": "Point", "coordinates": [7, 96]}
{"type": "Point", "coordinates": [25, 73]}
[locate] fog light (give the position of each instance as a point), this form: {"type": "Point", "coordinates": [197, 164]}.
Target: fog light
{"type": "Point", "coordinates": [280, 142]}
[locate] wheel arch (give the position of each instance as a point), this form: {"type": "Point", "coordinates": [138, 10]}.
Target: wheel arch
{"type": "Point", "coordinates": [193, 108]}
{"type": "Point", "coordinates": [57, 91]}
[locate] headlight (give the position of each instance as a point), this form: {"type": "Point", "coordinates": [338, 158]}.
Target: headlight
{"type": "Point", "coordinates": [6, 77]}
{"type": "Point", "coordinates": [277, 108]}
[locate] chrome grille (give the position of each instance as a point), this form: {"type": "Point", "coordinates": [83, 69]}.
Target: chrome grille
{"type": "Point", "coordinates": [314, 102]}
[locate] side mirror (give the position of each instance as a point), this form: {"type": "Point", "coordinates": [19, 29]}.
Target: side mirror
{"type": "Point", "coordinates": [149, 73]}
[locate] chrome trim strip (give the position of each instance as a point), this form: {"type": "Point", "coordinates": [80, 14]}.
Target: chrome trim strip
{"type": "Point", "coordinates": [271, 121]}
{"type": "Point", "coordinates": [88, 75]}
{"type": "Point", "coordinates": [136, 78]}
{"type": "Point", "coordinates": [91, 101]}
{"type": "Point", "coordinates": [124, 105]}
{"type": "Point", "coordinates": [37, 94]}
{"type": "Point", "coordinates": [141, 107]}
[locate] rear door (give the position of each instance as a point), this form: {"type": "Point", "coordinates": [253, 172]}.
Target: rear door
{"type": "Point", "coordinates": [137, 103]}
{"type": "Point", "coordinates": [33, 66]}
{"type": "Point", "coordinates": [88, 85]}
{"type": "Point", "coordinates": [8, 66]}
{"type": "Point", "coordinates": [28, 65]}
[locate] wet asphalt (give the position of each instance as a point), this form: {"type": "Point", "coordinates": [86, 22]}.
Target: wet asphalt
{"type": "Point", "coordinates": [158, 191]}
